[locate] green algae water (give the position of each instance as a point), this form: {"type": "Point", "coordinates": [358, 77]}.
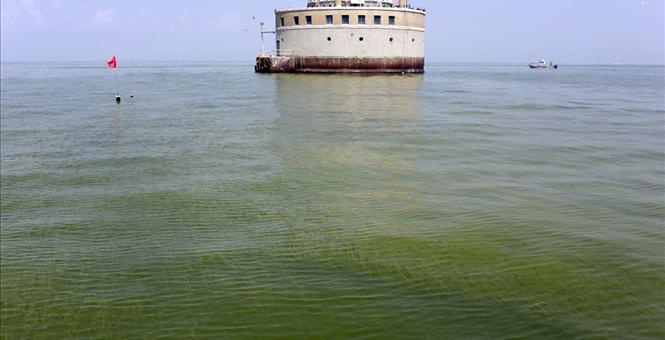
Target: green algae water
{"type": "Point", "coordinates": [474, 201]}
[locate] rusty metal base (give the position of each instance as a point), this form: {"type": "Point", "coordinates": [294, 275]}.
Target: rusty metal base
{"type": "Point", "coordinates": [338, 65]}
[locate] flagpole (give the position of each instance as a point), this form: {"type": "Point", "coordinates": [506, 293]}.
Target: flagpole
{"type": "Point", "coordinates": [113, 65]}
{"type": "Point", "coordinates": [117, 90]}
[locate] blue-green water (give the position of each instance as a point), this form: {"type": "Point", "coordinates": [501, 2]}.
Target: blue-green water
{"type": "Point", "coordinates": [472, 202]}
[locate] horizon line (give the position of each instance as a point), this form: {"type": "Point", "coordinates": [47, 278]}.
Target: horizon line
{"type": "Point", "coordinates": [103, 62]}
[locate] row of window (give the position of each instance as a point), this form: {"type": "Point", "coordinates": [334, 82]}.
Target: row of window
{"type": "Point", "coordinates": [345, 20]}
{"type": "Point", "coordinates": [363, 39]}
{"type": "Point", "coordinates": [359, 39]}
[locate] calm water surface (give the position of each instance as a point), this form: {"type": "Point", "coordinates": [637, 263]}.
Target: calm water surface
{"type": "Point", "coordinates": [472, 202]}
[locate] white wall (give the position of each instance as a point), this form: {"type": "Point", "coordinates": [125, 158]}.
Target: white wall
{"type": "Point", "coordinates": [311, 41]}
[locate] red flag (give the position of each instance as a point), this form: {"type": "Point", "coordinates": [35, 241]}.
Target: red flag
{"type": "Point", "coordinates": [111, 62]}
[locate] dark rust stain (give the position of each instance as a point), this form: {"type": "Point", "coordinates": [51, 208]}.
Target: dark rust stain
{"type": "Point", "coordinates": [339, 65]}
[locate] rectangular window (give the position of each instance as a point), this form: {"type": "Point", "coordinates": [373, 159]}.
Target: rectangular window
{"type": "Point", "coordinates": [282, 20]}
{"type": "Point", "coordinates": [345, 19]}
{"type": "Point", "coordinates": [361, 20]}
{"type": "Point", "coordinates": [391, 20]}
{"type": "Point", "coordinates": [377, 20]}
{"type": "Point", "coordinates": [308, 19]}
{"type": "Point", "coordinates": [296, 21]}
{"type": "Point", "coordinates": [329, 19]}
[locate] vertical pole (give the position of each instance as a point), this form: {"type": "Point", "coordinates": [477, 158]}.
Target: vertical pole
{"type": "Point", "coordinates": [262, 42]}
{"type": "Point", "coordinates": [117, 96]}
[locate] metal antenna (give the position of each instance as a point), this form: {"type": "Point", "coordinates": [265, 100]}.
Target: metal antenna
{"type": "Point", "coordinates": [262, 33]}
{"type": "Point", "coordinates": [262, 41]}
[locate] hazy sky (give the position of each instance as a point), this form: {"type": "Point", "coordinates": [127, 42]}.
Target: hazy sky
{"type": "Point", "coordinates": [568, 31]}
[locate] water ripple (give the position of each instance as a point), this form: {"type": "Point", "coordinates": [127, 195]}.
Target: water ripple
{"type": "Point", "coordinates": [466, 203]}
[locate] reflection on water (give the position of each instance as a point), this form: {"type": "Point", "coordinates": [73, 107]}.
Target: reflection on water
{"type": "Point", "coordinates": [340, 118]}
{"type": "Point", "coordinates": [365, 96]}
{"type": "Point", "coordinates": [340, 135]}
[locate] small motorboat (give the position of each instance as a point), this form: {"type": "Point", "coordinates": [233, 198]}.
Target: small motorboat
{"type": "Point", "coordinates": [543, 64]}
{"type": "Point", "coordinates": [540, 64]}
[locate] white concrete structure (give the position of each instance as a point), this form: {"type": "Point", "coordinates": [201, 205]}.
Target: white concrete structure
{"type": "Point", "coordinates": [349, 36]}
